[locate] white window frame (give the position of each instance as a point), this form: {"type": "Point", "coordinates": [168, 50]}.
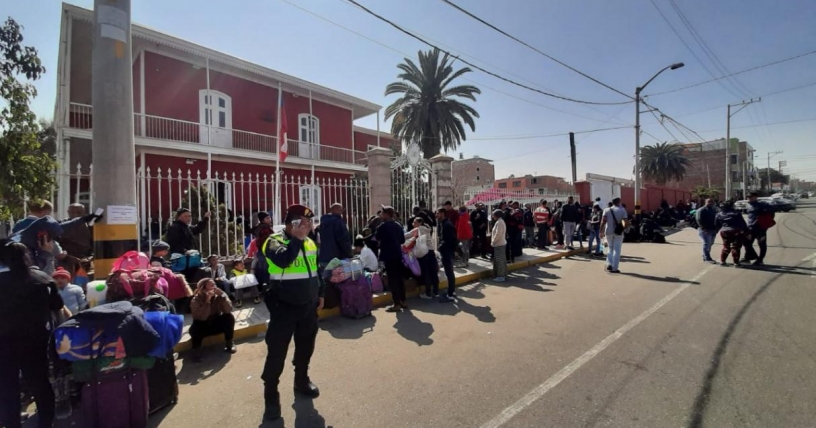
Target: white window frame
{"type": "Point", "coordinates": [221, 135]}
{"type": "Point", "coordinates": [315, 203]}
{"type": "Point", "coordinates": [310, 147]}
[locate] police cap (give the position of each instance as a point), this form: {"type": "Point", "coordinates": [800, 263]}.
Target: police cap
{"type": "Point", "coordinates": [297, 211]}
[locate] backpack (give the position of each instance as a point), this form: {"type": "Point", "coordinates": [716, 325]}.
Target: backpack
{"type": "Point", "coordinates": [127, 285]}
{"type": "Point", "coordinates": [131, 260]}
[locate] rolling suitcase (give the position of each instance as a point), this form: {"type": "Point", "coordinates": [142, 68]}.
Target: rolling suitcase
{"type": "Point", "coordinates": [355, 298]}
{"type": "Point", "coordinates": [162, 384]}
{"type": "Point", "coordinates": [116, 400]}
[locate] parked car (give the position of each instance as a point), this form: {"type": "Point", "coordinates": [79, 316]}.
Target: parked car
{"type": "Point", "coordinates": [804, 196]}
{"type": "Point", "coordinates": [741, 206]}
{"type": "Point", "coordinates": [780, 204]}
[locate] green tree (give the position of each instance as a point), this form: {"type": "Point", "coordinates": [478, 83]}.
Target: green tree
{"type": "Point", "coordinates": [428, 110]}
{"type": "Point", "coordinates": [705, 192]}
{"type": "Point", "coordinates": [26, 171]}
{"type": "Point", "coordinates": [663, 162]}
{"type": "Point", "coordinates": [220, 232]}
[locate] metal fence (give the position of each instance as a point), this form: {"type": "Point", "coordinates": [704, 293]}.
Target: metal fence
{"type": "Point", "coordinates": [232, 199]}
{"type": "Point", "coordinates": [409, 186]}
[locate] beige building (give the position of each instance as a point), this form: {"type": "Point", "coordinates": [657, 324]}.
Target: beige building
{"type": "Point", "coordinates": [474, 172]}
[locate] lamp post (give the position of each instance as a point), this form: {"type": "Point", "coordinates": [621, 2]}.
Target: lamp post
{"type": "Point", "coordinates": [638, 90]}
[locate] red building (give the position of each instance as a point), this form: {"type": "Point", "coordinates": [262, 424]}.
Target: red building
{"type": "Point", "coordinates": [198, 113]}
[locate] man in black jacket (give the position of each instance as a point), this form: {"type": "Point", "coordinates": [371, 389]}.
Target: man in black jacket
{"type": "Point", "coordinates": [447, 246]}
{"type": "Point", "coordinates": [479, 219]}
{"type": "Point", "coordinates": [569, 216]}
{"type": "Point", "coordinates": [335, 241]}
{"type": "Point", "coordinates": [390, 237]}
{"type": "Point", "coordinates": [180, 234]}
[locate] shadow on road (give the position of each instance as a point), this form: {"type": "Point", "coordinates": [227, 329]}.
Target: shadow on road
{"type": "Point", "coordinates": [670, 279]}
{"type": "Point", "coordinates": [306, 416]}
{"type": "Point", "coordinates": [345, 328]}
{"type": "Point", "coordinates": [633, 259]}
{"type": "Point", "coordinates": [788, 270]}
{"type": "Point", "coordinates": [704, 396]}
{"type": "Point", "coordinates": [214, 360]}
{"type": "Point", "coordinates": [414, 329]}
{"type": "Point", "coordinates": [482, 313]}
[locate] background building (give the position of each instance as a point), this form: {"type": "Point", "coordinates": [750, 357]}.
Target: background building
{"type": "Point", "coordinates": [542, 183]}
{"type": "Point", "coordinates": [708, 167]}
{"type": "Point", "coordinates": [472, 173]}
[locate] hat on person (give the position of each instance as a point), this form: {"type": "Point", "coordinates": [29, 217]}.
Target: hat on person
{"type": "Point", "coordinates": [498, 213]}
{"type": "Point", "coordinates": [262, 216]}
{"type": "Point", "coordinates": [298, 210]}
{"type": "Point", "coordinates": [61, 273]}
{"type": "Point", "coordinates": [159, 245]}
{"type": "Point", "coordinates": [181, 211]}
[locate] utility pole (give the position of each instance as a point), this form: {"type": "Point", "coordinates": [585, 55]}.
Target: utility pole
{"type": "Point", "coordinates": [572, 154]}
{"type": "Point", "coordinates": [741, 106]}
{"type": "Point", "coordinates": [770, 155]}
{"type": "Point", "coordinates": [114, 158]}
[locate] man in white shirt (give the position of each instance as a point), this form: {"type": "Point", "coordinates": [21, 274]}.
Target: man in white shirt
{"type": "Point", "coordinates": [614, 218]}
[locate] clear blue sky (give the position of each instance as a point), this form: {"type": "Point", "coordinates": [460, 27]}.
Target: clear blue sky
{"type": "Point", "coordinates": [621, 43]}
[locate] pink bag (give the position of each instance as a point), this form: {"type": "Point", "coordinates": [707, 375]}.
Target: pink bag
{"type": "Point", "coordinates": [411, 262]}
{"type": "Point", "coordinates": [376, 283]}
{"type": "Point", "coordinates": [132, 260]}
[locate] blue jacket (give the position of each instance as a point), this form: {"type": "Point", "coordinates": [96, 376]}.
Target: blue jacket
{"type": "Point", "coordinates": [755, 209]}
{"type": "Point", "coordinates": [335, 241]}
{"type": "Point", "coordinates": [390, 237]}
{"type": "Point", "coordinates": [128, 321]}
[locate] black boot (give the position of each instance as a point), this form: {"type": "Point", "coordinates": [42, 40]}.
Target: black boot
{"type": "Point", "coordinates": [272, 406]}
{"type": "Point", "coordinates": [305, 386]}
{"type": "Point", "coordinates": [230, 347]}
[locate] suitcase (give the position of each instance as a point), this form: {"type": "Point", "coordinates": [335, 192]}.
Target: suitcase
{"type": "Point", "coordinates": [162, 384]}
{"type": "Point", "coordinates": [355, 298]}
{"type": "Point", "coordinates": [116, 400]}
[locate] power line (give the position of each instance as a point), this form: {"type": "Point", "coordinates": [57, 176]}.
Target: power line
{"type": "Point", "coordinates": [483, 70]}
{"type": "Point", "coordinates": [530, 137]}
{"type": "Point", "coordinates": [466, 12]}
{"type": "Point", "coordinates": [765, 124]}
{"type": "Point", "coordinates": [770, 94]}
{"type": "Point", "coordinates": [482, 85]}
{"type": "Point", "coordinates": [735, 74]}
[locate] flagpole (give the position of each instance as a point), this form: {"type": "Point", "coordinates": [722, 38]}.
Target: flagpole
{"type": "Point", "coordinates": [312, 134]}
{"type": "Point", "coordinates": [278, 208]}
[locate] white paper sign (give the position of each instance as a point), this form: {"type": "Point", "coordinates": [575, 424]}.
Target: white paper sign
{"type": "Point", "coordinates": [121, 214]}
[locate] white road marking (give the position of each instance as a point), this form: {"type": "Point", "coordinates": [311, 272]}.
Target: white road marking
{"type": "Point", "coordinates": [572, 367]}
{"type": "Point", "coordinates": [809, 258]}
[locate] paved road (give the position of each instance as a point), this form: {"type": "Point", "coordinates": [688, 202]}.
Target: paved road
{"type": "Point", "coordinates": [672, 342]}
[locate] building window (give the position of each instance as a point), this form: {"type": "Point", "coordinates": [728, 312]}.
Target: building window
{"type": "Point", "coordinates": [215, 118]}
{"type": "Point", "coordinates": [477, 169]}
{"type": "Point", "coordinates": [310, 197]}
{"type": "Point", "coordinates": [308, 137]}
{"type": "Point", "coordinates": [517, 184]}
{"type": "Point", "coordinates": [477, 178]}
{"type": "Point", "coordinates": [502, 185]}
{"type": "Point", "coordinates": [541, 191]}
{"type": "Point", "coordinates": [535, 181]}
{"type": "Point", "coordinates": [733, 159]}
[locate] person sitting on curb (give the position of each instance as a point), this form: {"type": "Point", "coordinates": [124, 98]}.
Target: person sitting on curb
{"type": "Point", "coordinates": [212, 314]}
{"type": "Point", "coordinates": [158, 254]}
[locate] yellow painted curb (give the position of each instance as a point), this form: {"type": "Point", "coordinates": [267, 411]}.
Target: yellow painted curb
{"type": "Point", "coordinates": [382, 299]}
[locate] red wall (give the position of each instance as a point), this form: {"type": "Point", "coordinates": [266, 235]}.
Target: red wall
{"type": "Point", "coordinates": [172, 91]}
{"type": "Point", "coordinates": [582, 188]}
{"type": "Point", "coordinates": [362, 141]}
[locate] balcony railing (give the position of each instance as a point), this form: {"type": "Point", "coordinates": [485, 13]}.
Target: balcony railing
{"type": "Point", "coordinates": [80, 116]}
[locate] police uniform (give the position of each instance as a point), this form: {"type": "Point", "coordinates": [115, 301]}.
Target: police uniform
{"type": "Point", "coordinates": [292, 296]}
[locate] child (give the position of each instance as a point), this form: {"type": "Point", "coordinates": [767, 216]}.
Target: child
{"type": "Point", "coordinates": [72, 294]}
{"type": "Point", "coordinates": [158, 256]}
{"type": "Point", "coordinates": [239, 269]}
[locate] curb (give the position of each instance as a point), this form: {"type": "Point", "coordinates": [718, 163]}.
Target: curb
{"type": "Point", "coordinates": [382, 299]}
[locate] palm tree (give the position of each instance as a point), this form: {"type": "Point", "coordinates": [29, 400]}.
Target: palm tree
{"type": "Point", "coordinates": [428, 111]}
{"type": "Point", "coordinates": [663, 162]}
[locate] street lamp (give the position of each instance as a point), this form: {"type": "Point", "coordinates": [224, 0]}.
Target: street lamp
{"type": "Point", "coordinates": [638, 90]}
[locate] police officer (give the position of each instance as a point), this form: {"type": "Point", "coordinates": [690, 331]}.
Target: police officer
{"type": "Point", "coordinates": [294, 295]}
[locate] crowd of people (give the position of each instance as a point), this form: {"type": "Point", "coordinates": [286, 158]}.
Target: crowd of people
{"type": "Point", "coordinates": [735, 232]}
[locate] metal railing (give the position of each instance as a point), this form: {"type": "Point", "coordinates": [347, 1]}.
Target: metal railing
{"type": "Point", "coordinates": [80, 116]}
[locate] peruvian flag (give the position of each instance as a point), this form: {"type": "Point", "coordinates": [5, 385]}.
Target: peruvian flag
{"type": "Point", "coordinates": [283, 149]}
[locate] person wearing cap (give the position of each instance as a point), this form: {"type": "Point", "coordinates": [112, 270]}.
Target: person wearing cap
{"type": "Point", "coordinates": [180, 234]}
{"type": "Point", "coordinates": [158, 253]}
{"type": "Point", "coordinates": [294, 295]}
{"type": "Point", "coordinates": [72, 295]}
{"type": "Point", "coordinates": [390, 236]}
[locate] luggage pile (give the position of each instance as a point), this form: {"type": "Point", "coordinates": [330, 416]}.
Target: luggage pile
{"type": "Point", "coordinates": [121, 348]}
{"type": "Point", "coordinates": [354, 285]}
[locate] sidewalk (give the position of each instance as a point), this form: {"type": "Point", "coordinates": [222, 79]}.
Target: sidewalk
{"type": "Point", "coordinates": [251, 319]}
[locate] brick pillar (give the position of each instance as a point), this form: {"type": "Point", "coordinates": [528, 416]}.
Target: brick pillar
{"type": "Point", "coordinates": [442, 185]}
{"type": "Point", "coordinates": [379, 178]}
